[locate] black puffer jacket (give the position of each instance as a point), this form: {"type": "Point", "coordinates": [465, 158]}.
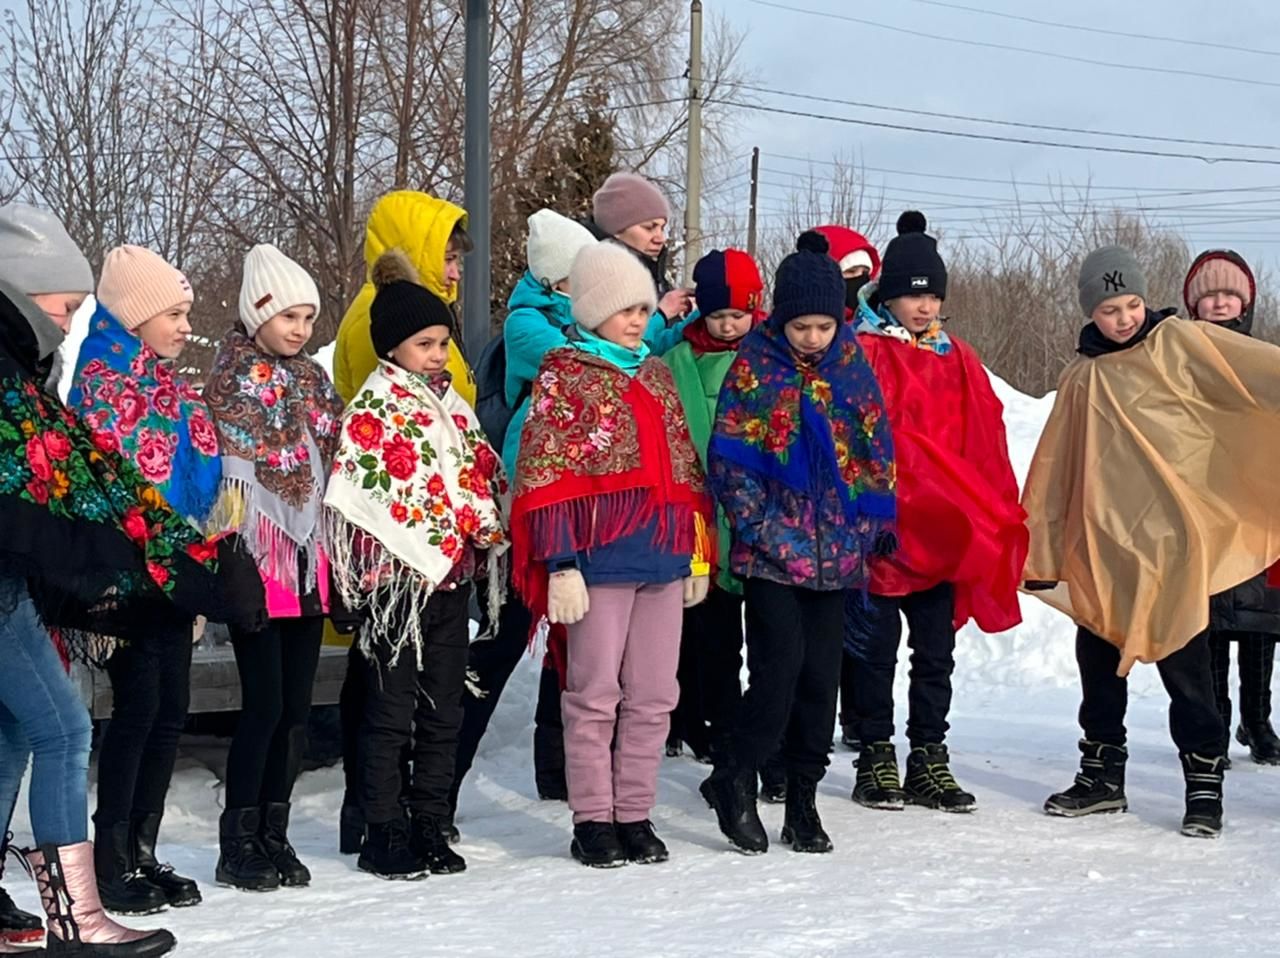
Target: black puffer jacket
{"type": "Point", "coordinates": [1250, 606]}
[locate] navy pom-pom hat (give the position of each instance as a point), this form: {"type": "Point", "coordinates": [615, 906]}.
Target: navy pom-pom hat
{"type": "Point", "coordinates": [808, 282]}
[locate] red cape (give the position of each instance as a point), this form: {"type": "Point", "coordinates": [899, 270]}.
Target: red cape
{"type": "Point", "coordinates": [959, 520]}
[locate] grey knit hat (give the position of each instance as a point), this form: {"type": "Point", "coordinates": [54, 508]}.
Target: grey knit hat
{"type": "Point", "coordinates": [37, 255]}
{"type": "Point", "coordinates": [1107, 272]}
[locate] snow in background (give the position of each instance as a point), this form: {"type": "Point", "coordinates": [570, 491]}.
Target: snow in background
{"type": "Point", "coordinates": [1005, 881]}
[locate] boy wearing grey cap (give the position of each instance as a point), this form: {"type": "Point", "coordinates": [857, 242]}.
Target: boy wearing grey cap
{"type": "Point", "coordinates": [1152, 488]}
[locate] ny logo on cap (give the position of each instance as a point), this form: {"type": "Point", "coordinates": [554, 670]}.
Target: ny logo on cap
{"type": "Point", "coordinates": [919, 282]}
{"type": "Point", "coordinates": [1113, 280]}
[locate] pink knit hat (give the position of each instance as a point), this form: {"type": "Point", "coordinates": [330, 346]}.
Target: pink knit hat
{"type": "Point", "coordinates": [138, 284]}
{"type": "Point", "coordinates": [625, 200]}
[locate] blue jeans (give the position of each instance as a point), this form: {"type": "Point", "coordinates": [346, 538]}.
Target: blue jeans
{"type": "Point", "coordinates": [40, 715]}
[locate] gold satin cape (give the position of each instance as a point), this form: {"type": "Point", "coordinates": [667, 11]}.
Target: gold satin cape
{"type": "Point", "coordinates": [1156, 484]}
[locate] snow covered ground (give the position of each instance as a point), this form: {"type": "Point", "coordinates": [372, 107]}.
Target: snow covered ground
{"type": "Point", "coordinates": [1005, 881]}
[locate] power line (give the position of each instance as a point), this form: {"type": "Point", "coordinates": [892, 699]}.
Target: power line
{"type": "Point", "coordinates": [1133, 67]}
{"type": "Point", "coordinates": [1126, 34]}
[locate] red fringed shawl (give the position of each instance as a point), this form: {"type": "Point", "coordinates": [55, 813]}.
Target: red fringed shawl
{"type": "Point", "coordinates": [602, 455]}
{"type": "Point", "coordinates": [959, 520]}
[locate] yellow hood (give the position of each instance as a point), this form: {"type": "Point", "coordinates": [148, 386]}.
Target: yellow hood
{"type": "Point", "coordinates": [420, 225]}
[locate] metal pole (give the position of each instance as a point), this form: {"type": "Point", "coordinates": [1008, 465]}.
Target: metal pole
{"type": "Point", "coordinates": [755, 198]}
{"type": "Point", "coordinates": [693, 165]}
{"type": "Point", "coordinates": [476, 271]}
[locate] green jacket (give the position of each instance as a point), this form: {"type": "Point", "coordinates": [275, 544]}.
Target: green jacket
{"type": "Point", "coordinates": [698, 380]}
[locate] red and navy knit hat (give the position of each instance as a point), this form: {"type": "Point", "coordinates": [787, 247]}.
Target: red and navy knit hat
{"type": "Point", "coordinates": [727, 279]}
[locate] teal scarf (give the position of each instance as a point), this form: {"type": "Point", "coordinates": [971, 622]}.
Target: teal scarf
{"type": "Point", "coordinates": [628, 360]}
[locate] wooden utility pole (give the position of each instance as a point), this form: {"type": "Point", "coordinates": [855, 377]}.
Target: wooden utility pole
{"type": "Point", "coordinates": [755, 197]}
{"type": "Point", "coordinates": [475, 274]}
{"type": "Point", "coordinates": [693, 165]}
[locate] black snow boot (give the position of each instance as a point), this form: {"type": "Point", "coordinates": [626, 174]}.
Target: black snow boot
{"type": "Point", "coordinates": [773, 781]}
{"type": "Point", "coordinates": [387, 852]}
{"type": "Point", "coordinates": [1203, 775]}
{"type": "Point", "coordinates": [731, 792]}
{"type": "Point", "coordinates": [124, 890]}
{"type": "Point", "coordinates": [430, 838]}
{"type": "Point", "coordinates": [802, 828]}
{"type": "Point", "coordinates": [640, 843]}
{"type": "Point", "coordinates": [350, 829]}
{"type": "Point", "coordinates": [242, 862]}
{"type": "Point", "coordinates": [179, 891]}
{"type": "Point", "coordinates": [17, 927]}
{"type": "Point", "coordinates": [929, 781]}
{"type": "Point", "coordinates": [877, 784]}
{"type": "Point", "coordinates": [1099, 785]}
{"type": "Point", "coordinates": [275, 843]}
{"type": "Point", "coordinates": [1261, 741]}
{"type": "Point", "coordinates": [596, 845]}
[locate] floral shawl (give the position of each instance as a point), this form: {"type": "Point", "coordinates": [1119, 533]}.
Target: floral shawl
{"type": "Point", "coordinates": [808, 425]}
{"type": "Point", "coordinates": [92, 537]}
{"type": "Point", "coordinates": [414, 484]}
{"type": "Point", "coordinates": [278, 421]}
{"type": "Point", "coordinates": [603, 455]}
{"type": "Point", "coordinates": [135, 403]}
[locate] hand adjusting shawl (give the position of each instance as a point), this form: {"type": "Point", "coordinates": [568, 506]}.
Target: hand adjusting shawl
{"type": "Point", "coordinates": [414, 484]}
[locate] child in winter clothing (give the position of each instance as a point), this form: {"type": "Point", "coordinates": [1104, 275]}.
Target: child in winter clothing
{"type": "Point", "coordinates": [629, 210]}
{"type": "Point", "coordinates": [128, 392]}
{"type": "Point", "coordinates": [962, 541]}
{"type": "Point", "coordinates": [1153, 488]}
{"type": "Point", "coordinates": [278, 419]}
{"type": "Point", "coordinates": [802, 463]}
{"type": "Point", "coordinates": [414, 514]}
{"type": "Point", "coordinates": [1220, 289]}
{"type": "Point", "coordinates": [79, 525]}
{"type": "Point", "coordinates": [607, 494]}
{"type": "Point", "coordinates": [729, 291]}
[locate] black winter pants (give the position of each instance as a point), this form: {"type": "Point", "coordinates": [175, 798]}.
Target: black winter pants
{"type": "Point", "coordinates": [932, 640]}
{"type": "Point", "coordinates": [794, 637]}
{"type": "Point", "coordinates": [277, 669]}
{"type": "Point", "coordinates": [405, 704]}
{"type": "Point", "coordinates": [848, 692]}
{"type": "Point", "coordinates": [709, 673]}
{"type": "Point", "coordinates": [1194, 721]}
{"type": "Point", "coordinates": [1255, 658]}
{"type": "Point", "coordinates": [150, 691]}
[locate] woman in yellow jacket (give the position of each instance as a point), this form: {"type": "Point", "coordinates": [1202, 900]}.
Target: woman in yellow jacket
{"type": "Point", "coordinates": [433, 232]}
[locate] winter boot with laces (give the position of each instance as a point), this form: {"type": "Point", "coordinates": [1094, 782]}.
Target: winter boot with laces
{"type": "Point", "coordinates": [242, 863]}
{"type": "Point", "coordinates": [430, 838]}
{"type": "Point", "coordinates": [802, 828]}
{"type": "Point", "coordinates": [76, 922]}
{"type": "Point", "coordinates": [123, 888]}
{"type": "Point", "coordinates": [731, 793]}
{"type": "Point", "coordinates": [274, 839]}
{"type": "Point", "coordinates": [596, 845]}
{"type": "Point", "coordinates": [1099, 785]}
{"type": "Point", "coordinates": [178, 891]}
{"type": "Point", "coordinates": [877, 784]}
{"type": "Point", "coordinates": [387, 852]}
{"type": "Point", "coordinates": [17, 927]}
{"type": "Point", "coordinates": [1203, 775]}
{"type": "Point", "coordinates": [929, 781]}
{"type": "Point", "coordinates": [640, 843]}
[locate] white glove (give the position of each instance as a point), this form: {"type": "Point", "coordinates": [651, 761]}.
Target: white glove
{"type": "Point", "coordinates": [696, 588]}
{"type": "Point", "coordinates": [567, 599]}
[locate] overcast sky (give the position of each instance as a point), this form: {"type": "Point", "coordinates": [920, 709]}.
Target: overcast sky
{"type": "Point", "coordinates": [871, 63]}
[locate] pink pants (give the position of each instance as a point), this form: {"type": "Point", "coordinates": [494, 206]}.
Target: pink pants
{"type": "Point", "coordinates": [617, 705]}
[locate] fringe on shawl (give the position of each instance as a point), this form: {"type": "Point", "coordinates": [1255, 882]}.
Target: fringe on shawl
{"type": "Point", "coordinates": [367, 576]}
{"type": "Point", "coordinates": [274, 551]}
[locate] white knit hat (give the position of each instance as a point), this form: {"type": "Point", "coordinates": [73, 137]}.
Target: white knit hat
{"type": "Point", "coordinates": [273, 283]}
{"type": "Point", "coordinates": [138, 284]}
{"type": "Point", "coordinates": [606, 279]}
{"type": "Point", "coordinates": [554, 241]}
{"type": "Point", "coordinates": [858, 257]}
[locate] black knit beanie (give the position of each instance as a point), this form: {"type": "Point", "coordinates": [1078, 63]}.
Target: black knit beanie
{"type": "Point", "coordinates": [912, 265]}
{"type": "Point", "coordinates": [808, 282]}
{"type": "Point", "coordinates": [401, 306]}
